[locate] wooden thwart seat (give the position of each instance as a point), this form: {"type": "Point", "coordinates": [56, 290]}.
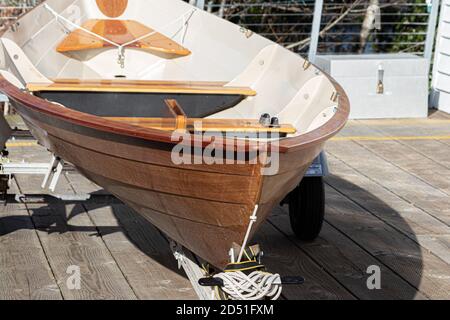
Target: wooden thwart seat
{"type": "Point", "coordinates": [207, 125]}
{"type": "Point", "coordinates": [119, 32]}
{"type": "Point", "coordinates": [139, 86]}
{"type": "Point", "coordinates": [180, 122]}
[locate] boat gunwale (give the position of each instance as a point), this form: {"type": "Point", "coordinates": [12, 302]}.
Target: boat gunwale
{"type": "Point", "coordinates": [284, 145]}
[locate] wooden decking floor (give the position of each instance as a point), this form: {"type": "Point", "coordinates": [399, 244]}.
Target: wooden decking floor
{"type": "Point", "coordinates": [388, 205]}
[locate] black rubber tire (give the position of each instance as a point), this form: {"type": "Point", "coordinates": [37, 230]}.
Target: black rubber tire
{"type": "Point", "coordinates": [307, 208]}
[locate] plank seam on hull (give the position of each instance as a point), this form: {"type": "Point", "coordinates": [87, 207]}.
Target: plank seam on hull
{"type": "Point", "coordinates": [172, 168]}
{"type": "Point", "coordinates": [155, 164]}
{"type": "Point", "coordinates": [166, 193]}
{"type": "Point", "coordinates": [182, 218]}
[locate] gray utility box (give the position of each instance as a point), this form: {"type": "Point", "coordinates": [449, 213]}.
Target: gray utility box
{"type": "Point", "coordinates": [381, 85]}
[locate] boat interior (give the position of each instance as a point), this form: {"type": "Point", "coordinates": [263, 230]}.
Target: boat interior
{"type": "Point", "coordinates": [155, 64]}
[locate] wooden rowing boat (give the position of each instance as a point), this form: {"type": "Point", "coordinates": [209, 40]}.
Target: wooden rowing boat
{"type": "Point", "coordinates": [117, 99]}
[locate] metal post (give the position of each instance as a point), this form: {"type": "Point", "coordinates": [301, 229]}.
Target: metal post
{"type": "Point", "coordinates": [315, 32]}
{"type": "Point", "coordinates": [200, 4]}
{"type": "Point", "coordinates": [431, 32]}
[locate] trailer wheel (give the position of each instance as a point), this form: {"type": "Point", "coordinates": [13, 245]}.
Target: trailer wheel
{"type": "Point", "coordinates": [307, 208]}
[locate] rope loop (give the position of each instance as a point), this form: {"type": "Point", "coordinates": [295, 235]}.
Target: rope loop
{"type": "Point", "coordinates": [247, 279]}
{"type": "Point", "coordinates": [257, 285]}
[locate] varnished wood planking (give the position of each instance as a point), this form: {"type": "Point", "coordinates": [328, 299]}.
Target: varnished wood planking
{"type": "Point", "coordinates": [129, 33]}
{"type": "Point", "coordinates": [112, 8]}
{"type": "Point", "coordinates": [420, 268]}
{"type": "Point", "coordinates": [208, 125]}
{"type": "Point", "coordinates": [141, 87]}
{"type": "Point", "coordinates": [192, 232]}
{"type": "Point", "coordinates": [157, 156]}
{"type": "Point", "coordinates": [199, 210]}
{"type": "Point", "coordinates": [201, 185]}
{"type": "Point", "coordinates": [134, 82]}
{"type": "Point", "coordinates": [195, 235]}
{"type": "Point", "coordinates": [347, 262]}
{"type": "Point", "coordinates": [69, 238]}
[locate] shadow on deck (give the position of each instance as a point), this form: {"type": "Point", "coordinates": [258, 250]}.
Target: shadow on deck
{"type": "Point", "coordinates": [327, 264]}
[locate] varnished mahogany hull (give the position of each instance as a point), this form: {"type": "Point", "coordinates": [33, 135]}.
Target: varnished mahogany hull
{"type": "Point", "coordinates": [205, 208]}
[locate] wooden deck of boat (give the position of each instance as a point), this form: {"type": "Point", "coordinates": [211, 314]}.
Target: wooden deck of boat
{"type": "Point", "coordinates": [388, 204]}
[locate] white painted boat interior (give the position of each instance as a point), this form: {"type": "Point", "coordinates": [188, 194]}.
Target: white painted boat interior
{"type": "Point", "coordinates": [287, 87]}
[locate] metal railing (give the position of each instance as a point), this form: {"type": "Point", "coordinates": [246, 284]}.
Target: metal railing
{"type": "Point", "coordinates": [11, 9]}
{"type": "Point", "coordinates": [346, 26]}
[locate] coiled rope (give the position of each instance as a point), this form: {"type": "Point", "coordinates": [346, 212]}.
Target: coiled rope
{"type": "Point", "coordinates": [256, 285]}
{"type": "Point", "coordinates": [185, 18]}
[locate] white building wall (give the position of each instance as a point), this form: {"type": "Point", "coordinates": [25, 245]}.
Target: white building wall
{"type": "Point", "coordinates": [440, 97]}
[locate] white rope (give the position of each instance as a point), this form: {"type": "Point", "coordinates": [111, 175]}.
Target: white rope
{"type": "Point", "coordinates": [255, 286]}
{"type": "Point", "coordinates": [121, 47]}
{"type": "Point", "coordinates": [73, 24]}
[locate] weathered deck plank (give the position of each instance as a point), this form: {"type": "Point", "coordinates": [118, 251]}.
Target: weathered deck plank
{"type": "Point", "coordinates": [381, 202]}
{"type": "Point", "coordinates": [142, 253]}
{"type": "Point", "coordinates": [434, 150]}
{"type": "Point", "coordinates": [24, 270]}
{"type": "Point", "coordinates": [432, 165]}
{"type": "Point", "coordinates": [70, 239]}
{"type": "Point", "coordinates": [436, 114]}
{"type": "Point", "coordinates": [407, 159]}
{"type": "Point", "coordinates": [404, 256]}
{"type": "Point", "coordinates": [402, 183]}
{"type": "Point", "coordinates": [401, 215]}
{"type": "Point", "coordinates": [280, 256]}
{"type": "Point", "coordinates": [348, 262]}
